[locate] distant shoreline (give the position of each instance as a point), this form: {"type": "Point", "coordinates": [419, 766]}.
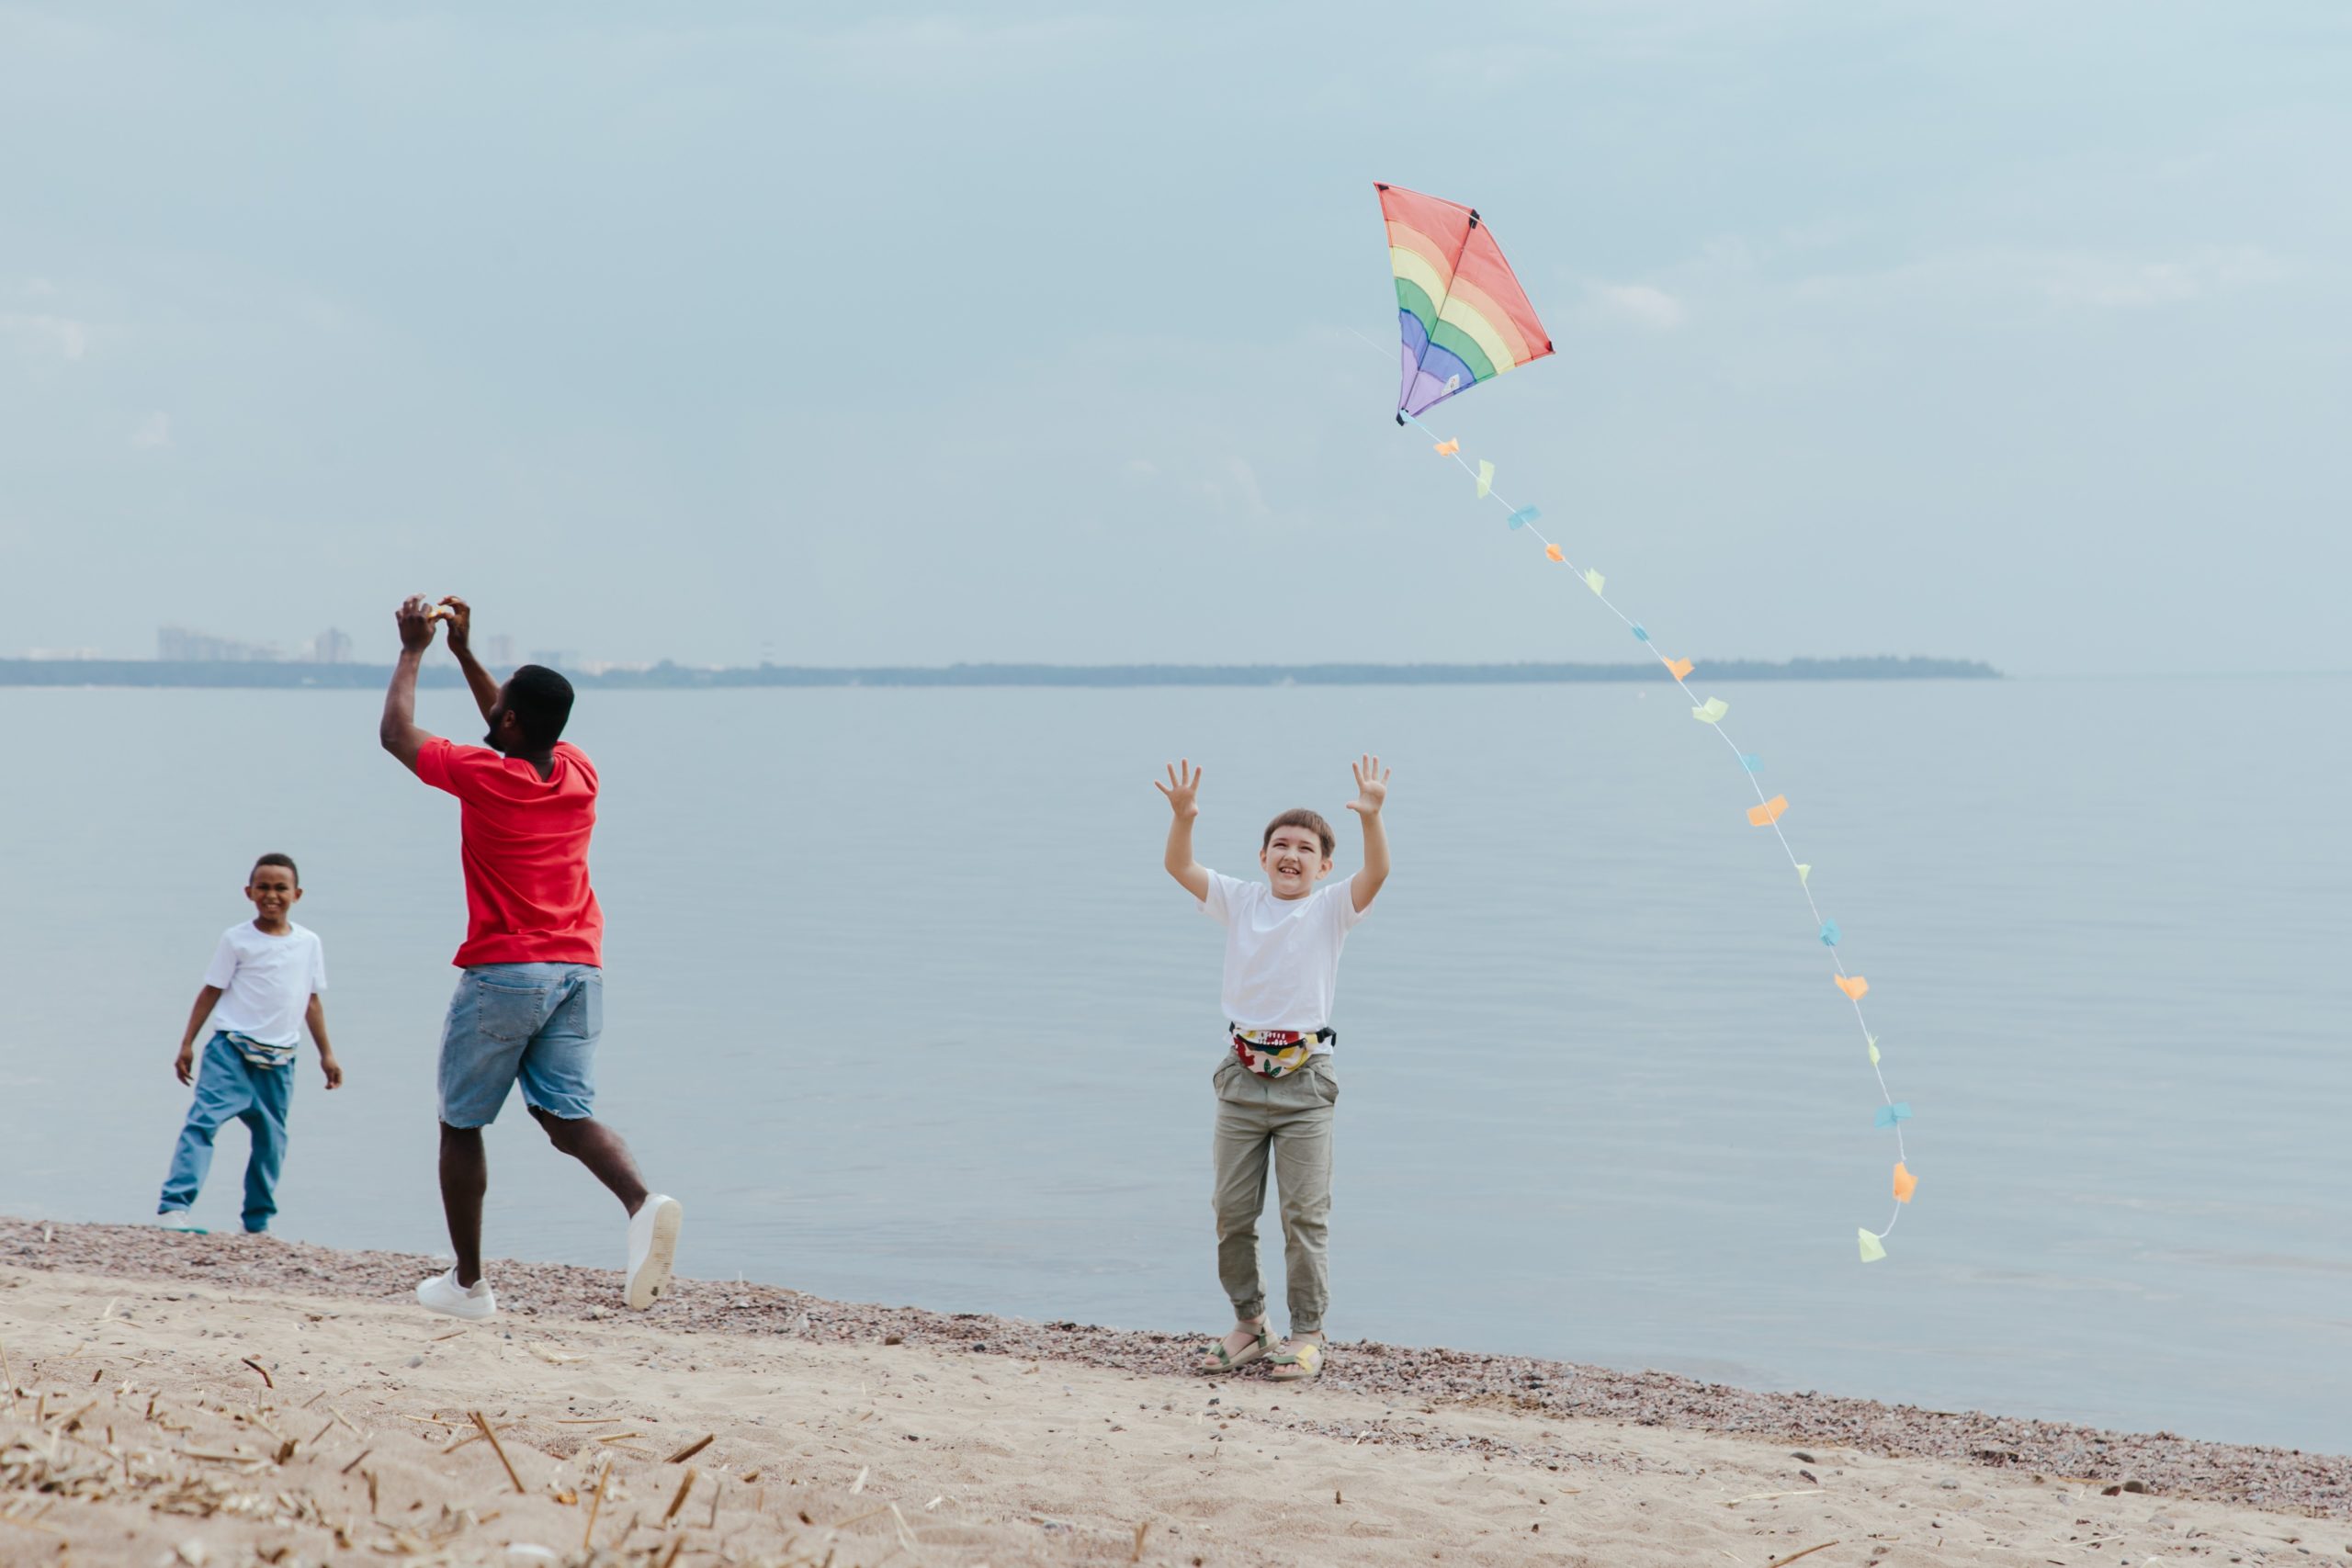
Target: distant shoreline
{"type": "Point", "coordinates": [666, 676]}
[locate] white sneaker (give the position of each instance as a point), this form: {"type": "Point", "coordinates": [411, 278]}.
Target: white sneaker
{"type": "Point", "coordinates": [178, 1220]}
{"type": "Point", "coordinates": [652, 1247]}
{"type": "Point", "coordinates": [441, 1293]}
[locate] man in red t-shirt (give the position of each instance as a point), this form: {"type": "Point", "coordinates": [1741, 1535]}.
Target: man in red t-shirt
{"type": "Point", "coordinates": [530, 1003]}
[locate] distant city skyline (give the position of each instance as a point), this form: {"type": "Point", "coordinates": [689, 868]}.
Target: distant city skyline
{"type": "Point", "coordinates": [181, 644]}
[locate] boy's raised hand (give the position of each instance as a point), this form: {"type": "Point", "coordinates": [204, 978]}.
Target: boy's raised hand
{"type": "Point", "coordinates": [1182, 790]}
{"type": "Point", "coordinates": [1371, 794]}
{"type": "Point", "coordinates": [1371, 786]}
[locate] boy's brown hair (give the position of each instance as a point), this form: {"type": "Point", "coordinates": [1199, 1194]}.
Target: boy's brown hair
{"type": "Point", "coordinates": [1299, 816]}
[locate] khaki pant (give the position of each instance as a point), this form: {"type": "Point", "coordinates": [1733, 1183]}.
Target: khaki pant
{"type": "Point", "coordinates": [1290, 1118]}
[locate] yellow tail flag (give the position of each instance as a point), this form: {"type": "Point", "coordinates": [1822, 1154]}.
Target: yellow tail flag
{"type": "Point", "coordinates": [1711, 711]}
{"type": "Point", "coordinates": [1872, 1250]}
{"type": "Point", "coordinates": [1593, 580]}
{"type": "Point", "coordinates": [1485, 479]}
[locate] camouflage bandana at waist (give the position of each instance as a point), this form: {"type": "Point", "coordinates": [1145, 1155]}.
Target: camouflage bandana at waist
{"type": "Point", "coordinates": [1278, 1052]}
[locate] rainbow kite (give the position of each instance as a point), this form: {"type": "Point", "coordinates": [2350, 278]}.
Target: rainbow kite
{"type": "Point", "coordinates": [1464, 319]}
{"type": "Point", "coordinates": [1463, 316]}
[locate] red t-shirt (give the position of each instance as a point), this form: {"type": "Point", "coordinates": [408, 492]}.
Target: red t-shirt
{"type": "Point", "coordinates": [525, 849]}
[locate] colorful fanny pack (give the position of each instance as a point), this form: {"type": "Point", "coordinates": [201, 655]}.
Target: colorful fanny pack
{"type": "Point", "coordinates": [254, 1052]}
{"type": "Point", "coordinates": [1278, 1052]}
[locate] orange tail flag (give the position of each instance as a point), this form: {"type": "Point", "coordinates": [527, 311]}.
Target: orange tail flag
{"type": "Point", "coordinates": [1764, 816]}
{"type": "Point", "coordinates": [1904, 1183]}
{"type": "Point", "coordinates": [1853, 986]}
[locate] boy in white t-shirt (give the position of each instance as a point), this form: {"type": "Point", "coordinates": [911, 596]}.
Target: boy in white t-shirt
{"type": "Point", "coordinates": [1275, 1087]}
{"type": "Point", "coordinates": [260, 990]}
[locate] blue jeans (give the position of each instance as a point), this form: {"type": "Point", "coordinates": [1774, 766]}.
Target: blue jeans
{"type": "Point", "coordinates": [532, 1024]}
{"type": "Point", "coordinates": [229, 1087]}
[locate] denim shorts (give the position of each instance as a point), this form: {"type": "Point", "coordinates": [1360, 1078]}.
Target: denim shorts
{"type": "Point", "coordinates": [535, 1023]}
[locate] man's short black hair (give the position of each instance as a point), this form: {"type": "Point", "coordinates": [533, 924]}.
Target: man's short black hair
{"type": "Point", "coordinates": [540, 701]}
{"type": "Point", "coordinates": [274, 857]}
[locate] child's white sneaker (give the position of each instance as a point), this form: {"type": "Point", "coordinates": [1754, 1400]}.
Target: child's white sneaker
{"type": "Point", "coordinates": [652, 1248]}
{"type": "Point", "coordinates": [441, 1293]}
{"type": "Point", "coordinates": [178, 1220]}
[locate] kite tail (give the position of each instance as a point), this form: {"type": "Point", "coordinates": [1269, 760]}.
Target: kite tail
{"type": "Point", "coordinates": [1765, 813]}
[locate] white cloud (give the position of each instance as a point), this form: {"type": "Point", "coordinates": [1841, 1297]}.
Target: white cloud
{"type": "Point", "coordinates": [155, 430]}
{"type": "Point", "coordinates": [2114, 284]}
{"type": "Point", "coordinates": [1232, 486]}
{"type": "Point", "coordinates": [1641, 304]}
{"type": "Point", "coordinates": [2080, 278]}
{"type": "Point", "coordinates": [61, 335]}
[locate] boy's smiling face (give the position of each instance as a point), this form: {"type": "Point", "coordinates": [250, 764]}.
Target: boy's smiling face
{"type": "Point", "coordinates": [274, 892]}
{"type": "Point", "coordinates": [1295, 862]}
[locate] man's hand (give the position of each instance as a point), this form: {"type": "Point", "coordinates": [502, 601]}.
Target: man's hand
{"type": "Point", "coordinates": [397, 730]}
{"type": "Point", "coordinates": [334, 1069]}
{"type": "Point", "coordinates": [415, 617]}
{"type": "Point", "coordinates": [1182, 790]}
{"type": "Point", "coordinates": [460, 616]}
{"type": "Point", "coordinates": [1371, 786]}
{"type": "Point", "coordinates": [184, 1063]}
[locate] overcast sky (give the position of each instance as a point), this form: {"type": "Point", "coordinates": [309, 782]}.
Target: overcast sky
{"type": "Point", "coordinates": [2009, 331]}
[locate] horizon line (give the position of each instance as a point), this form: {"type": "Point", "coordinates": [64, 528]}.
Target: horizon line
{"type": "Point", "coordinates": [669, 674]}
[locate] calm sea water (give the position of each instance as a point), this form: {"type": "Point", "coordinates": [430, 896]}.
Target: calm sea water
{"type": "Point", "coordinates": [901, 1004]}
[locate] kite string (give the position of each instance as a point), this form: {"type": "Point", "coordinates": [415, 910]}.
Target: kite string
{"type": "Point", "coordinates": [1804, 884]}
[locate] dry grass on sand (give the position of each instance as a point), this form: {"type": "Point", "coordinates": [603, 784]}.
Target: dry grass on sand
{"type": "Point", "coordinates": [162, 1422]}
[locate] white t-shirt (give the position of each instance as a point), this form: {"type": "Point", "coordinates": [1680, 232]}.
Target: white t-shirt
{"type": "Point", "coordinates": [1281, 955]}
{"type": "Point", "coordinates": [265, 982]}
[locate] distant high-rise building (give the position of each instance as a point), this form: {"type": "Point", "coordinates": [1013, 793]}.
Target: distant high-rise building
{"type": "Point", "coordinates": [556, 658]}
{"type": "Point", "coordinates": [178, 645]}
{"type": "Point", "coordinates": [499, 651]}
{"type": "Point", "coordinates": [330, 647]}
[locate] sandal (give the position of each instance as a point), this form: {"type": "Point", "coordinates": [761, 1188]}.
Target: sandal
{"type": "Point", "coordinates": [1218, 1358]}
{"type": "Point", "coordinates": [1299, 1361]}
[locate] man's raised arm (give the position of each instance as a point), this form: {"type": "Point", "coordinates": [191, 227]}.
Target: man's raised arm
{"type": "Point", "coordinates": [397, 730]}
{"type": "Point", "coordinates": [478, 681]}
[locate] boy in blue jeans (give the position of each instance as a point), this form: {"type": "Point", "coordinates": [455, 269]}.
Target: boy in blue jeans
{"type": "Point", "coordinates": [260, 991]}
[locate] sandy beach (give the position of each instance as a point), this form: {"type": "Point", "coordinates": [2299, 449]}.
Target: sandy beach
{"type": "Point", "coordinates": [203, 1401]}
